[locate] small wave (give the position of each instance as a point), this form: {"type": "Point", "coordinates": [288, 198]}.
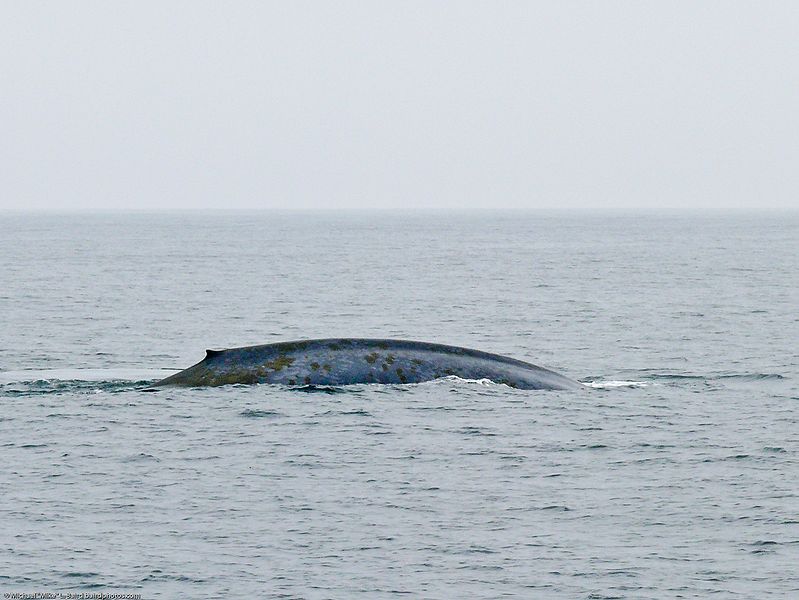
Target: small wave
{"type": "Point", "coordinates": [652, 374]}
{"type": "Point", "coordinates": [321, 389]}
{"type": "Point", "coordinates": [141, 456]}
{"type": "Point", "coordinates": [678, 376]}
{"type": "Point", "coordinates": [96, 375]}
{"type": "Point", "coordinates": [750, 376]}
{"type": "Point", "coordinates": [55, 381]}
{"type": "Point", "coordinates": [358, 412]}
{"type": "Point", "coordinates": [260, 414]}
{"type": "Point", "coordinates": [652, 377]}
{"type": "Point", "coordinates": [612, 384]}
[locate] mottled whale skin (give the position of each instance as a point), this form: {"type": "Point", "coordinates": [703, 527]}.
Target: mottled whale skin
{"type": "Point", "coordinates": [345, 361]}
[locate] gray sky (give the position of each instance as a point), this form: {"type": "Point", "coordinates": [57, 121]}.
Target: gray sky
{"type": "Point", "coordinates": [150, 105]}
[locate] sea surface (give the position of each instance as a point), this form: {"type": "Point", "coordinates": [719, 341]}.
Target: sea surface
{"type": "Point", "coordinates": [673, 474]}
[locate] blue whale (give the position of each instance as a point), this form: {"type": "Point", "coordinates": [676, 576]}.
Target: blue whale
{"type": "Point", "coordinates": [345, 361]}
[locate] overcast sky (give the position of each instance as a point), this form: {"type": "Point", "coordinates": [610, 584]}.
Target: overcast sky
{"type": "Point", "coordinates": [152, 105]}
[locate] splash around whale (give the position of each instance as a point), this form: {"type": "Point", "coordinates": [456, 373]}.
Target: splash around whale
{"type": "Point", "coordinates": [346, 361]}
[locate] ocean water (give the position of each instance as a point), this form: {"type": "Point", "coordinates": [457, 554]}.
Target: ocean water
{"type": "Point", "coordinates": [674, 474]}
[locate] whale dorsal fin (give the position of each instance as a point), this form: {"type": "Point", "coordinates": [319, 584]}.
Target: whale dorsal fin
{"type": "Point", "coordinates": [212, 353]}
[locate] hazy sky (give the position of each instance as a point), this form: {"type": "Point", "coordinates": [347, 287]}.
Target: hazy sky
{"type": "Point", "coordinates": [126, 105]}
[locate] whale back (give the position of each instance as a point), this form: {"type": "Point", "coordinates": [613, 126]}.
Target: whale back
{"type": "Point", "coordinates": [345, 361]}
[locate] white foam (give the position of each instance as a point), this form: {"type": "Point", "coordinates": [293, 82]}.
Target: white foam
{"type": "Point", "coordinates": [606, 385]}
{"type": "Point", "coordinates": [483, 382]}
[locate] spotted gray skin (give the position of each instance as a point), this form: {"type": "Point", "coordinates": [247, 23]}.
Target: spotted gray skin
{"type": "Point", "coordinates": [349, 361]}
{"type": "Point", "coordinates": [345, 361]}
